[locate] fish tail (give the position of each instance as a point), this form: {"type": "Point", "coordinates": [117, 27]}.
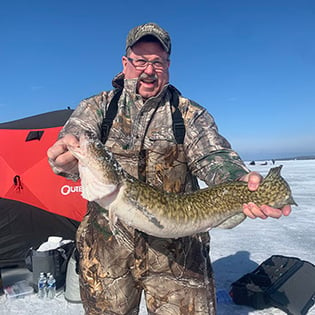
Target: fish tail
{"type": "Point", "coordinates": [274, 175]}
{"type": "Point", "coordinates": [291, 201]}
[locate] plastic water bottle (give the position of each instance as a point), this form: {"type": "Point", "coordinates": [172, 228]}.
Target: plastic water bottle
{"type": "Point", "coordinates": [42, 286]}
{"type": "Point", "coordinates": [51, 287]}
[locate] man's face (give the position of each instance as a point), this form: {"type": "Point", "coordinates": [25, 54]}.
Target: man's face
{"type": "Point", "coordinates": [151, 79]}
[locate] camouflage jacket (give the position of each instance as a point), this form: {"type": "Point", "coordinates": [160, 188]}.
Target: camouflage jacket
{"type": "Point", "coordinates": [143, 141]}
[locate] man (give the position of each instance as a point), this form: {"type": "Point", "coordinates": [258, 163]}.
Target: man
{"type": "Point", "coordinates": [175, 274]}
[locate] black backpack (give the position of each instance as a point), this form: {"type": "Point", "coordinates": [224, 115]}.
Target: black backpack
{"type": "Point", "coordinates": [287, 283]}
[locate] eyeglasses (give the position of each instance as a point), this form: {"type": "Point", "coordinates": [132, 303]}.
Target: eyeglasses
{"type": "Point", "coordinates": [141, 64]}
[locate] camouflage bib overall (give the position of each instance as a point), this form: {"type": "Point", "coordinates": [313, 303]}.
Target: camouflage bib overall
{"type": "Point", "coordinates": [176, 274]}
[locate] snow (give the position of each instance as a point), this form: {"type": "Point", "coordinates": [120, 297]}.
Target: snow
{"type": "Point", "coordinates": [233, 252]}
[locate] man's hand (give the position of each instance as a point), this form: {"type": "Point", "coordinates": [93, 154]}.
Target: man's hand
{"type": "Point", "coordinates": [60, 158]}
{"type": "Point", "coordinates": [252, 210]}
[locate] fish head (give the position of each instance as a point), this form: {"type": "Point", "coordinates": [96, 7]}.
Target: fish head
{"type": "Point", "coordinates": [91, 153]}
{"type": "Point", "coordinates": [97, 168]}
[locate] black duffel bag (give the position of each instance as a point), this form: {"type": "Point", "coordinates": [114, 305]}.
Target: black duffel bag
{"type": "Point", "coordinates": [287, 283]}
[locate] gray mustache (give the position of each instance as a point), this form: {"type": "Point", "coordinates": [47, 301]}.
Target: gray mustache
{"type": "Point", "coordinates": [145, 76]}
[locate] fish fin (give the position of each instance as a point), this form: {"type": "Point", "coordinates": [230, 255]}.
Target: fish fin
{"type": "Point", "coordinates": [273, 173]}
{"type": "Point", "coordinates": [151, 217]}
{"type": "Point", "coordinates": [112, 220]}
{"type": "Point", "coordinates": [233, 221]}
{"type": "Point", "coordinates": [121, 235]}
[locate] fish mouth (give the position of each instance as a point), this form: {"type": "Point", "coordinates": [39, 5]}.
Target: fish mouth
{"type": "Point", "coordinates": [75, 151]}
{"type": "Point", "coordinates": [80, 150]}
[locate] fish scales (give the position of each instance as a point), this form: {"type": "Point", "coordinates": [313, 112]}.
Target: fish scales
{"type": "Point", "coordinates": [164, 214]}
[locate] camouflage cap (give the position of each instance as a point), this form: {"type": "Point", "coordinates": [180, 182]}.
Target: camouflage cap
{"type": "Point", "coordinates": [149, 29]}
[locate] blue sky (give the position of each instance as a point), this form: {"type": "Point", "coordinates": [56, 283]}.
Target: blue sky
{"type": "Point", "coordinates": [251, 63]}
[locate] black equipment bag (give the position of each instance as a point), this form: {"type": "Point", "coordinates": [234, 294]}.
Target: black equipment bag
{"type": "Point", "coordinates": [287, 283]}
{"type": "Point", "coordinates": [52, 261]}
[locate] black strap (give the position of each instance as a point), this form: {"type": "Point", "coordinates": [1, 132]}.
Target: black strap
{"type": "Point", "coordinates": [110, 115]}
{"type": "Point", "coordinates": [178, 121]}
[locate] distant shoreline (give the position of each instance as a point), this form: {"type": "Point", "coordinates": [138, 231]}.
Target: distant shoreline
{"type": "Point", "coordinates": [305, 157]}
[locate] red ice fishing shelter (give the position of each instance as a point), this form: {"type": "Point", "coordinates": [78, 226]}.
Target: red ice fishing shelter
{"type": "Point", "coordinates": [34, 202]}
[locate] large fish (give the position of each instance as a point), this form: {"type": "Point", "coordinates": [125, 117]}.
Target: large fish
{"type": "Point", "coordinates": [169, 215]}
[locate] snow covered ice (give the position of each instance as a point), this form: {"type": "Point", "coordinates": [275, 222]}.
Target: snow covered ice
{"type": "Point", "coordinates": [233, 252]}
